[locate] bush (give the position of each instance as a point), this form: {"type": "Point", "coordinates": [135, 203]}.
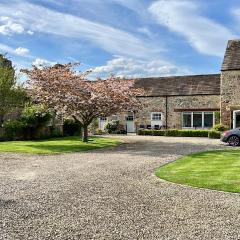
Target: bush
{"type": "Point", "coordinates": [158, 132]}
{"type": "Point", "coordinates": [193, 133]}
{"type": "Point", "coordinates": [14, 129]}
{"type": "Point", "coordinates": [98, 131]}
{"type": "Point", "coordinates": [174, 133]}
{"type": "Point", "coordinates": [36, 116]}
{"type": "Point", "coordinates": [112, 126]}
{"type": "Point", "coordinates": [214, 134]}
{"type": "Point", "coordinates": [219, 128]}
{"type": "Point", "coordinates": [54, 131]}
{"type": "Point", "coordinates": [120, 131]}
{"type": "Point", "coordinates": [145, 132]}
{"type": "Point", "coordinates": [71, 128]}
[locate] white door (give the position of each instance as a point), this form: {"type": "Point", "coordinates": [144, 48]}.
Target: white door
{"type": "Point", "coordinates": [102, 123]}
{"type": "Point", "coordinates": [130, 125]}
{"type": "Point", "coordinates": [236, 119]}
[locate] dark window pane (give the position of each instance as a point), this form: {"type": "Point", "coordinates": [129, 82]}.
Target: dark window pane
{"type": "Point", "coordinates": [208, 120]}
{"type": "Point", "coordinates": [187, 120]}
{"type": "Point", "coordinates": [156, 116]}
{"type": "Point", "coordinates": [197, 119]}
{"type": "Point", "coordinates": [129, 118]}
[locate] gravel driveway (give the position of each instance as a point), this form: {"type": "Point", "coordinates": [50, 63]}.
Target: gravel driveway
{"type": "Point", "coordinates": [112, 194]}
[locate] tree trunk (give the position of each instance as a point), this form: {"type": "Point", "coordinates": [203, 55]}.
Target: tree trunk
{"type": "Point", "coordinates": [85, 133]}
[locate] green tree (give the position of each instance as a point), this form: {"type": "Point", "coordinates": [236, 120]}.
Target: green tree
{"type": "Point", "coordinates": [12, 94]}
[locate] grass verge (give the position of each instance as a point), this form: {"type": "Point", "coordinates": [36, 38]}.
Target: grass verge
{"type": "Point", "coordinates": [57, 145]}
{"type": "Point", "coordinates": [219, 170]}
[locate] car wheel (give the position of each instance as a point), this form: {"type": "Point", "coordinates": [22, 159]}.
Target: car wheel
{"type": "Point", "coordinates": [234, 141]}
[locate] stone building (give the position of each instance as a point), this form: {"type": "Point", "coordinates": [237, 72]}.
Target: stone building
{"type": "Point", "coordinates": [189, 102]}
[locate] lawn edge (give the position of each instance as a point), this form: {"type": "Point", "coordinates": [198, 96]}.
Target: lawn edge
{"type": "Point", "coordinates": [191, 186]}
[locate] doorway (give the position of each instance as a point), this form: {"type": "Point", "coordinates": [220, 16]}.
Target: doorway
{"type": "Point", "coordinates": [130, 125]}
{"type": "Point", "coordinates": [236, 119]}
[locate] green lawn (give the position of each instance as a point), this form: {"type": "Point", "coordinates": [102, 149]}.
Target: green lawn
{"type": "Point", "coordinates": [218, 170]}
{"type": "Point", "coordinates": [57, 145]}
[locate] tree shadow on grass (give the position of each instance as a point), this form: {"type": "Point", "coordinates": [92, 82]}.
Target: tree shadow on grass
{"type": "Point", "coordinates": [68, 148]}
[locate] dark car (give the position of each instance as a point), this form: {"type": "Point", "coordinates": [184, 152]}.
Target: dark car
{"type": "Point", "coordinates": [232, 137]}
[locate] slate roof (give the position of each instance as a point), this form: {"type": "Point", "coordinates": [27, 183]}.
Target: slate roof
{"type": "Point", "coordinates": [231, 59]}
{"type": "Point", "coordinates": [181, 85]}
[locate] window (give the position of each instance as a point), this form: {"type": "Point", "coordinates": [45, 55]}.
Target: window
{"type": "Point", "coordinates": [156, 116]}
{"type": "Point", "coordinates": [187, 119]}
{"type": "Point", "coordinates": [103, 119]}
{"type": "Point", "coordinates": [129, 118]}
{"type": "Point", "coordinates": [208, 119]}
{"type": "Point", "coordinates": [197, 119]}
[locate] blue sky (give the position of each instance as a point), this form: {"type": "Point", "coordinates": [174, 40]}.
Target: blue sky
{"type": "Point", "coordinates": [124, 37]}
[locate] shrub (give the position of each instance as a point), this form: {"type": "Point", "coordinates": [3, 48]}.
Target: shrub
{"type": "Point", "coordinates": [55, 131]}
{"type": "Point", "coordinates": [174, 133]}
{"type": "Point", "coordinates": [94, 126]}
{"type": "Point", "coordinates": [98, 131]}
{"type": "Point", "coordinates": [36, 115]}
{"type": "Point", "coordinates": [193, 133]}
{"type": "Point", "coordinates": [158, 132]}
{"type": "Point", "coordinates": [14, 129]}
{"type": "Point", "coordinates": [219, 128]}
{"type": "Point", "coordinates": [214, 134]}
{"type": "Point", "coordinates": [112, 126]}
{"type": "Point", "coordinates": [145, 132]}
{"type": "Point", "coordinates": [71, 128]}
{"type": "Point", "coordinates": [120, 131]}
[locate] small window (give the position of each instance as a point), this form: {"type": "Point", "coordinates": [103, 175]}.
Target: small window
{"type": "Point", "coordinates": [208, 119]}
{"type": "Point", "coordinates": [129, 118]}
{"type": "Point", "coordinates": [156, 116]}
{"type": "Point", "coordinates": [197, 119]}
{"type": "Point", "coordinates": [104, 119]}
{"type": "Point", "coordinates": [187, 119]}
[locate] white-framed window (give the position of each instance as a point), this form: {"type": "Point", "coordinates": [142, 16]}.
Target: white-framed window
{"type": "Point", "coordinates": [130, 118]}
{"type": "Point", "coordinates": [156, 116]}
{"type": "Point", "coordinates": [197, 119]}
{"type": "Point", "coordinates": [103, 119]}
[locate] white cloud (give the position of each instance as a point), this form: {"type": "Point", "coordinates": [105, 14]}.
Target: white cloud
{"type": "Point", "coordinates": [10, 27]}
{"type": "Point", "coordinates": [111, 39]}
{"type": "Point", "coordinates": [30, 32]}
{"type": "Point", "coordinates": [183, 17]}
{"type": "Point", "coordinates": [22, 51]}
{"type": "Point", "coordinates": [42, 62]}
{"type": "Point", "coordinates": [128, 67]}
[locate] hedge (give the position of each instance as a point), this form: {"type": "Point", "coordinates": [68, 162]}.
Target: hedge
{"type": "Point", "coordinates": [214, 134]}
{"type": "Point", "coordinates": [147, 132]}
{"type": "Point", "coordinates": [174, 133]}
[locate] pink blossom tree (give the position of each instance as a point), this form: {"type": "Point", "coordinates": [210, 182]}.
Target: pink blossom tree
{"type": "Point", "coordinates": [69, 93]}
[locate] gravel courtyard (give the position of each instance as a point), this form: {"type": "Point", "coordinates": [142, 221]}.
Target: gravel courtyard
{"type": "Point", "coordinates": [112, 194]}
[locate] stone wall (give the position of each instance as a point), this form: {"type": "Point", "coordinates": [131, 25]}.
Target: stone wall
{"type": "Point", "coordinates": [175, 106]}
{"type": "Point", "coordinates": [230, 95]}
